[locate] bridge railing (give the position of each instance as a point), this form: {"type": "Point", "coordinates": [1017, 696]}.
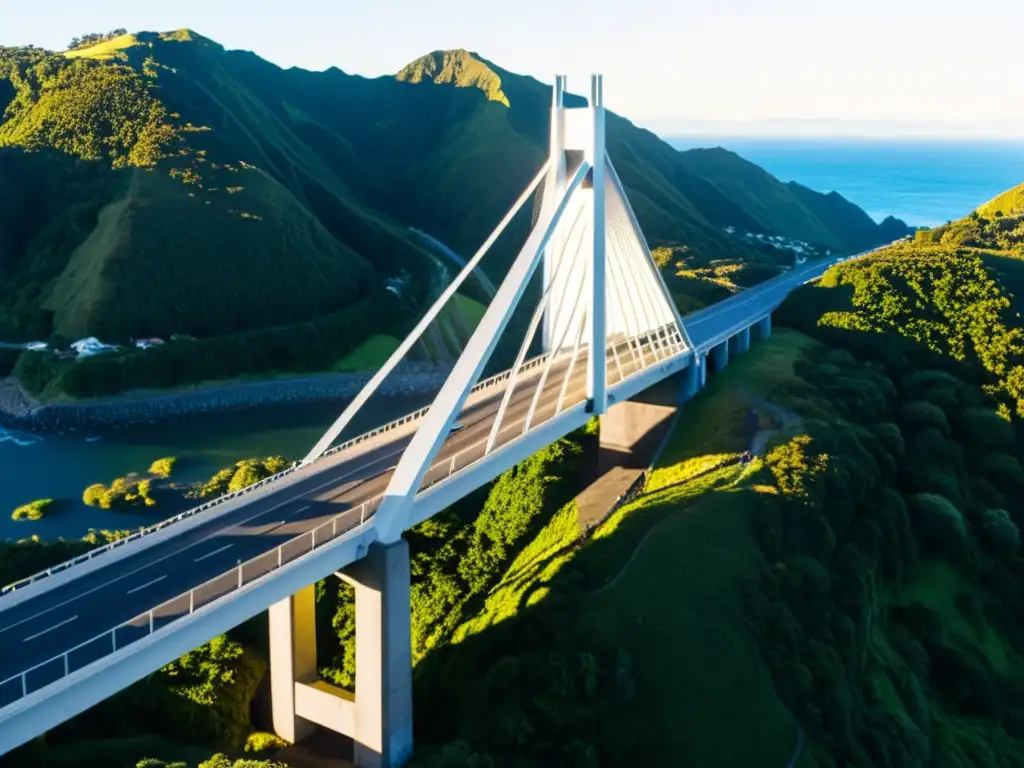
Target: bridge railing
{"type": "Point", "coordinates": [415, 415]}
{"type": "Point", "coordinates": [401, 421]}
{"type": "Point", "coordinates": [224, 584]}
{"type": "Point", "coordinates": [87, 556]}
{"type": "Point", "coordinates": [95, 648]}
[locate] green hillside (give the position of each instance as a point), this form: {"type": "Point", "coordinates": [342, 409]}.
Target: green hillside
{"type": "Point", "coordinates": [850, 597]}
{"type": "Point", "coordinates": [786, 209]}
{"type": "Point", "coordinates": [1010, 203]}
{"type": "Point", "coordinates": [218, 194]}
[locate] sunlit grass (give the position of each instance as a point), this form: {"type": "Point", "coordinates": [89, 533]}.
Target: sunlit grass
{"type": "Point", "coordinates": [369, 355]}
{"type": "Point", "coordinates": [106, 50]}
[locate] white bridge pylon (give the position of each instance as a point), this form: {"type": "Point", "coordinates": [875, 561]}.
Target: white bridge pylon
{"type": "Point", "coordinates": [603, 303]}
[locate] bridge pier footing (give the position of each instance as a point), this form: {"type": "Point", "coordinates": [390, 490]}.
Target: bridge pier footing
{"type": "Point", "coordinates": [378, 717]}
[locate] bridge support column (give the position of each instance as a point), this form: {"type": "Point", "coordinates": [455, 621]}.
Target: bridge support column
{"type": "Point", "coordinates": [694, 377]}
{"type": "Point", "coordinates": [383, 706]}
{"type": "Point", "coordinates": [740, 343]}
{"type": "Point", "coordinates": [720, 356]}
{"type": "Point", "coordinates": [292, 660]}
{"type": "Point", "coordinates": [763, 327]}
{"type": "Point", "coordinates": [378, 717]}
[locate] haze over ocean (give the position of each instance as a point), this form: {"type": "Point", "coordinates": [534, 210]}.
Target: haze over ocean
{"type": "Point", "coordinates": [925, 182]}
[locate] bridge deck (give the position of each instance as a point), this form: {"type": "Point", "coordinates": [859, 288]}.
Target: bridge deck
{"type": "Point", "coordinates": [49, 624]}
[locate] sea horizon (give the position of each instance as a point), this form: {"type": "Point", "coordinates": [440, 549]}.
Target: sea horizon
{"type": "Point", "coordinates": [923, 180]}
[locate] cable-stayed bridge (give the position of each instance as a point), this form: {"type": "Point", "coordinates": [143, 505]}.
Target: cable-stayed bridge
{"type": "Point", "coordinates": [603, 330]}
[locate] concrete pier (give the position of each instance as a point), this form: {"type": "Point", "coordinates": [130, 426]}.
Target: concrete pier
{"type": "Point", "coordinates": [694, 378]}
{"type": "Point", "coordinates": [763, 327]}
{"type": "Point", "coordinates": [383, 723]}
{"type": "Point", "coordinates": [740, 343]}
{"type": "Point", "coordinates": [293, 660]}
{"type": "Point", "coordinates": [720, 356]}
{"type": "Point", "coordinates": [378, 716]}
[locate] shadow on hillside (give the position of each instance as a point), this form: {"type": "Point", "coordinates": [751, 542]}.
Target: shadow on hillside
{"type": "Point", "coordinates": [543, 623]}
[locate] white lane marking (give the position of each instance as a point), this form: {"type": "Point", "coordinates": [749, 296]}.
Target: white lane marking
{"type": "Point", "coordinates": [147, 584]}
{"type": "Point", "coordinates": [211, 554]}
{"type": "Point", "coordinates": [177, 552]}
{"type": "Point", "coordinates": [333, 481]}
{"type": "Point", "coordinates": [55, 626]}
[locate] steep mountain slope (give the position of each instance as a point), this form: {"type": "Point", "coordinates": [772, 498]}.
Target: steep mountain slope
{"type": "Point", "coordinates": [230, 195]}
{"type": "Point", "coordinates": [847, 221]}
{"type": "Point", "coordinates": [787, 209]}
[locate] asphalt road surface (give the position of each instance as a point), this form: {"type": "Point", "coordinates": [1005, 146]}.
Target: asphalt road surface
{"type": "Point", "coordinates": [60, 619]}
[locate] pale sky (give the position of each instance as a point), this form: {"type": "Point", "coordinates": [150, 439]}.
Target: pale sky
{"type": "Point", "coordinates": [665, 62]}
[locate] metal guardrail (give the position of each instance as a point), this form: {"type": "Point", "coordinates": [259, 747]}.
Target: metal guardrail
{"type": "Point", "coordinates": [407, 419]}
{"type": "Point", "coordinates": [144, 624]}
{"type": "Point", "coordinates": [86, 557]}
{"type": "Point", "coordinates": [415, 415]}
{"type": "Point", "coordinates": [187, 603]}
{"type": "Point", "coordinates": [401, 421]}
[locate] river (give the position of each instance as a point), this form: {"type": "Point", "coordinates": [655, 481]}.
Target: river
{"type": "Point", "coordinates": [61, 467]}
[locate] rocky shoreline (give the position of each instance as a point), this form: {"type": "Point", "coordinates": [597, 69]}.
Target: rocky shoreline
{"type": "Point", "coordinates": [18, 410]}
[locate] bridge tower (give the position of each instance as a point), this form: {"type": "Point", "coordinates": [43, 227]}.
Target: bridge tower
{"type": "Point", "coordinates": [602, 299]}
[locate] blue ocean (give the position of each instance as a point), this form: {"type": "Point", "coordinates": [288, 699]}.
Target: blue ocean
{"type": "Point", "coordinates": [925, 182]}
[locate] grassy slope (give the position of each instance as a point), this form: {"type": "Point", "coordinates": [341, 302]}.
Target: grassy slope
{"type": "Point", "coordinates": [247, 243]}
{"type": "Point", "coordinates": [665, 579]}
{"type": "Point", "coordinates": [1010, 203]}
{"type": "Point", "coordinates": [671, 596]}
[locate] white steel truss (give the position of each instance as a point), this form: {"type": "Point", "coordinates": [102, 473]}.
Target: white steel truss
{"type": "Point", "coordinates": [603, 306]}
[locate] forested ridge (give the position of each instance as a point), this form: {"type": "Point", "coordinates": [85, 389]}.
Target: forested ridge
{"type": "Point", "coordinates": [155, 184]}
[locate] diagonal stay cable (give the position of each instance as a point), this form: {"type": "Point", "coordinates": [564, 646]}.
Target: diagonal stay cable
{"type": "Point", "coordinates": [531, 330]}
{"type": "Point", "coordinates": [565, 332]}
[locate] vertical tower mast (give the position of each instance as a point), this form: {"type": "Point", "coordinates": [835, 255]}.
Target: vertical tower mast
{"type": "Point", "coordinates": [553, 188]}
{"type": "Point", "coordinates": [597, 369]}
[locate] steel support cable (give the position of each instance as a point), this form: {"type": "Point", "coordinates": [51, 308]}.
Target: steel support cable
{"type": "Point", "coordinates": [636, 253]}
{"type": "Point", "coordinates": [531, 329]}
{"type": "Point", "coordinates": [633, 338]}
{"type": "Point", "coordinates": [619, 281]}
{"type": "Point", "coordinates": [572, 363]}
{"type": "Point", "coordinates": [615, 356]}
{"type": "Point", "coordinates": [650, 319]}
{"type": "Point", "coordinates": [335, 430]}
{"type": "Point", "coordinates": [648, 322]}
{"type": "Point", "coordinates": [565, 332]}
{"type": "Point", "coordinates": [621, 192]}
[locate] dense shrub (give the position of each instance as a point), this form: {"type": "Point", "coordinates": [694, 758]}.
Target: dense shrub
{"type": "Point", "coordinates": [938, 523]}
{"type": "Point", "coordinates": [1001, 532]}
{"type": "Point", "coordinates": [919, 416]}
{"type": "Point", "coordinates": [34, 510]}
{"type": "Point", "coordinates": [243, 474]}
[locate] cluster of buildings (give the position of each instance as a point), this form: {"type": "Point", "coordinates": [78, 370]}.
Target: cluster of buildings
{"type": "Point", "coordinates": [90, 346]}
